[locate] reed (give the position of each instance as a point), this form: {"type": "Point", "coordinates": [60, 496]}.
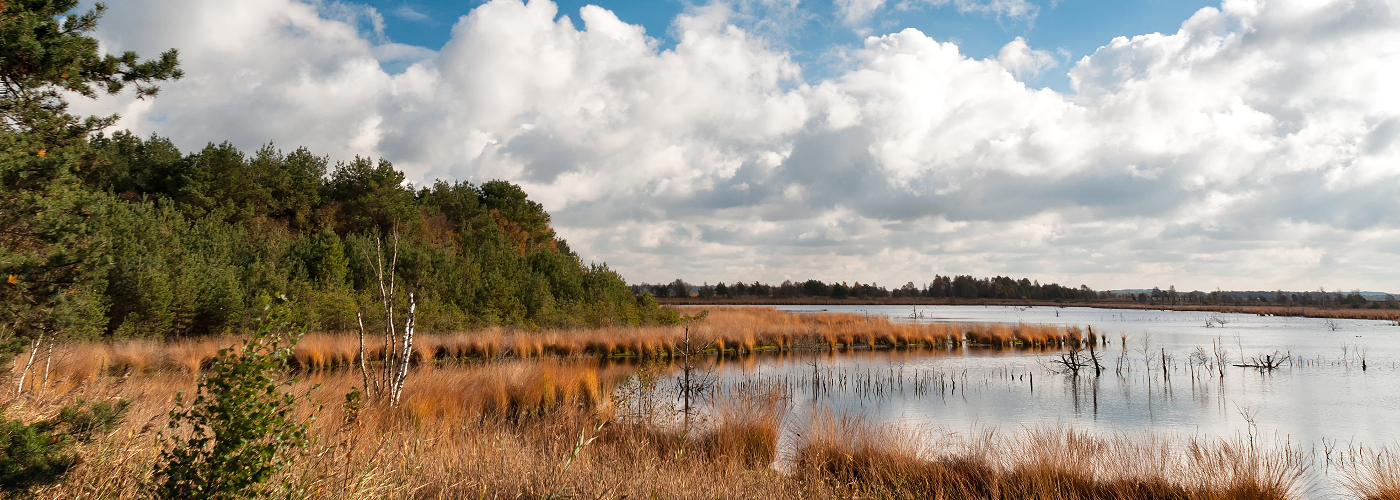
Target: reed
{"type": "Point", "coordinates": [1372, 474]}
{"type": "Point", "coordinates": [746, 428]}
{"type": "Point", "coordinates": [730, 330]}
{"type": "Point", "coordinates": [504, 429]}
{"type": "Point", "coordinates": [861, 459]}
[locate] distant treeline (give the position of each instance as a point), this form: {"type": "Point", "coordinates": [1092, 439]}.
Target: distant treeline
{"type": "Point", "coordinates": [1319, 298]}
{"type": "Point", "coordinates": [965, 287]}
{"type": "Point", "coordinates": [1005, 288]}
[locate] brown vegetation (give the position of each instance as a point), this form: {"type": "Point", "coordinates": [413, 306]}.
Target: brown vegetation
{"type": "Point", "coordinates": [508, 429]}
{"type": "Point", "coordinates": [1372, 474]}
{"type": "Point", "coordinates": [733, 330]}
{"type": "Point", "coordinates": [484, 423]}
{"type": "Point", "coordinates": [862, 460]}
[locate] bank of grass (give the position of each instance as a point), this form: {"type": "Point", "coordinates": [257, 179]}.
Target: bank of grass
{"type": "Point", "coordinates": [1371, 474]}
{"type": "Point", "coordinates": [508, 431]}
{"type": "Point", "coordinates": [507, 425]}
{"type": "Point", "coordinates": [731, 330]}
{"type": "Point", "coordinates": [864, 460]}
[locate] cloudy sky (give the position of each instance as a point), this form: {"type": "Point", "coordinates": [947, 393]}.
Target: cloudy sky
{"type": "Point", "coordinates": [1243, 145]}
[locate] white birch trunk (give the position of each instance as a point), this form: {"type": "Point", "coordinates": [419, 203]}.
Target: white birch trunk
{"type": "Point", "coordinates": [406, 352]}
{"type": "Point", "coordinates": [33, 353]}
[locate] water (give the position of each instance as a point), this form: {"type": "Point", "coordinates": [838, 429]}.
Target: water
{"type": "Point", "coordinates": [1320, 399]}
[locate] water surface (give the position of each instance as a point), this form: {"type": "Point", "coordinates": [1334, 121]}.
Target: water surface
{"type": "Point", "coordinates": [1321, 400]}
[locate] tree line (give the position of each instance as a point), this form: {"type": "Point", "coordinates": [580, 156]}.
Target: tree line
{"type": "Point", "coordinates": [1006, 288]}
{"type": "Point", "coordinates": [1317, 298]}
{"type": "Point", "coordinates": [956, 287]}
{"type": "Point", "coordinates": [117, 236]}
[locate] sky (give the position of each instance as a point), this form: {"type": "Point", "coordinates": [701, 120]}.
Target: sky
{"type": "Point", "coordinates": [1243, 145]}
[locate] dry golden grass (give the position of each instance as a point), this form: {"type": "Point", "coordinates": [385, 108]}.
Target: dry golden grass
{"type": "Point", "coordinates": [863, 460]}
{"type": "Point", "coordinates": [505, 429]}
{"type": "Point", "coordinates": [434, 446]}
{"type": "Point", "coordinates": [733, 330]}
{"type": "Point", "coordinates": [500, 430]}
{"type": "Point", "coordinates": [485, 423]}
{"type": "Point", "coordinates": [1372, 474]}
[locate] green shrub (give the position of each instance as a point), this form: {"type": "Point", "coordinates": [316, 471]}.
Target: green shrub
{"type": "Point", "coordinates": [40, 453]}
{"type": "Point", "coordinates": [241, 428]}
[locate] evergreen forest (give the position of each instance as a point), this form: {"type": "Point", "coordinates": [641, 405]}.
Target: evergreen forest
{"type": "Point", "coordinates": [105, 234]}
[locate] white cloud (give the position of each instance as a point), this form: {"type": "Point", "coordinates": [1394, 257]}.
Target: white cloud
{"type": "Point", "coordinates": [406, 11]}
{"type": "Point", "coordinates": [1019, 58]}
{"type": "Point", "coordinates": [858, 13]}
{"type": "Point", "coordinates": [855, 13]}
{"type": "Point", "coordinates": [1234, 153]}
{"type": "Point", "coordinates": [1014, 9]}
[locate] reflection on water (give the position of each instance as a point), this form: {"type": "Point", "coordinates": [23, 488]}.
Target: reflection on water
{"type": "Point", "coordinates": [1322, 393]}
{"type": "Point", "coordinates": [1162, 375]}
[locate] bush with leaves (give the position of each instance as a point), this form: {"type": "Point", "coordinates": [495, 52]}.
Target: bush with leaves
{"type": "Point", "coordinates": [241, 428]}
{"type": "Point", "coordinates": [41, 453]}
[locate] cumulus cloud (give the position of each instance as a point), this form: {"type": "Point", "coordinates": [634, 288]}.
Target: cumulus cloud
{"type": "Point", "coordinates": [1255, 147]}
{"type": "Point", "coordinates": [1020, 59]}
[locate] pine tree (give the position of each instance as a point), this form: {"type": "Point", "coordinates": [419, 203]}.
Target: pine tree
{"type": "Point", "coordinates": [50, 258]}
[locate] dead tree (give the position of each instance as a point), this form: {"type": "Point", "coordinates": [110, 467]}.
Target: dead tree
{"type": "Point", "coordinates": [1094, 358]}
{"type": "Point", "coordinates": [690, 387]}
{"type": "Point", "coordinates": [387, 381]}
{"type": "Point", "coordinates": [1267, 362]}
{"type": "Point", "coordinates": [1221, 356]}
{"type": "Point", "coordinates": [1073, 360]}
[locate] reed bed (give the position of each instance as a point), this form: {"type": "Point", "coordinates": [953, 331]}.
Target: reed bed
{"type": "Point", "coordinates": [1371, 474]}
{"type": "Point", "coordinates": [513, 414]}
{"type": "Point", "coordinates": [507, 429]}
{"type": "Point", "coordinates": [463, 431]}
{"type": "Point", "coordinates": [727, 330]}
{"type": "Point", "coordinates": [860, 459]}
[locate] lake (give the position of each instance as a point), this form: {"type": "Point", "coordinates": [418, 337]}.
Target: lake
{"type": "Point", "coordinates": [1321, 400]}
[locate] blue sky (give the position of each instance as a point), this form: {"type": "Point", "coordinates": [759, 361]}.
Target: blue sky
{"type": "Point", "coordinates": [1246, 144]}
{"type": "Point", "coordinates": [1070, 29]}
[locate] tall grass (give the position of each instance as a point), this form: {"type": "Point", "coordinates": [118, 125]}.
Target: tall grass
{"type": "Point", "coordinates": [498, 414]}
{"type": "Point", "coordinates": [505, 429]}
{"type": "Point", "coordinates": [861, 459]}
{"type": "Point", "coordinates": [1372, 474]}
{"type": "Point", "coordinates": [728, 330]}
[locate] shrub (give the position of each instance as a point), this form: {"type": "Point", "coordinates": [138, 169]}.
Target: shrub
{"type": "Point", "coordinates": [38, 454]}
{"type": "Point", "coordinates": [241, 428]}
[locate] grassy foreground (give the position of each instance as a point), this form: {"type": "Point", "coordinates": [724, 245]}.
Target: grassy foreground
{"type": "Point", "coordinates": [538, 424]}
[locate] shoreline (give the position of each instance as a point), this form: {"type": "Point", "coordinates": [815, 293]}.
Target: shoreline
{"type": "Point", "coordinates": [1382, 314]}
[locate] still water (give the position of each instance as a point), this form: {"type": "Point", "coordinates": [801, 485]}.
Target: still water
{"type": "Point", "coordinates": [1321, 398]}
